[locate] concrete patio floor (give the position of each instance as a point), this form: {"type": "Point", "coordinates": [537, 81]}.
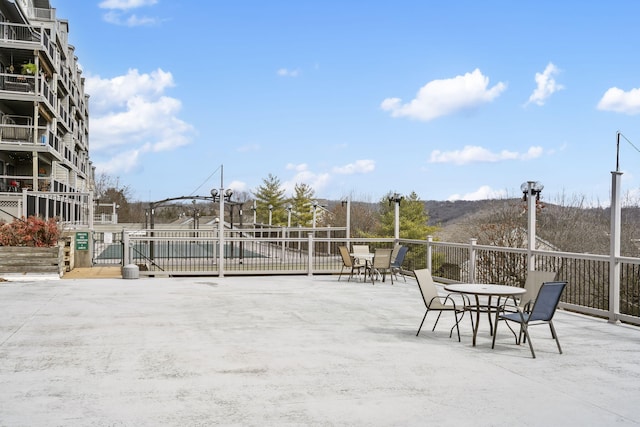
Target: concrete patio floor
{"type": "Point", "coordinates": [293, 350]}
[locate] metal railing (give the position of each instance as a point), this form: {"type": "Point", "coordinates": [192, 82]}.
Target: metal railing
{"type": "Point", "coordinates": [590, 288]}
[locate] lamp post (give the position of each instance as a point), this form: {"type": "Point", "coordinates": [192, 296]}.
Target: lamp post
{"type": "Point", "coordinates": [270, 213]}
{"type": "Point", "coordinates": [232, 205]}
{"type": "Point", "coordinates": [348, 224]}
{"type": "Point", "coordinates": [289, 208]}
{"type": "Point", "coordinates": [315, 208]}
{"type": "Point", "coordinates": [396, 198]}
{"type": "Point", "coordinates": [614, 244]}
{"type": "Point", "coordinates": [196, 223]}
{"type": "Point", "coordinates": [531, 193]}
{"type": "Point", "coordinates": [254, 208]}
{"type": "Point", "coordinates": [221, 196]}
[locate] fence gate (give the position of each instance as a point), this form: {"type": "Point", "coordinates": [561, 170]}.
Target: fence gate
{"type": "Point", "coordinates": [107, 248]}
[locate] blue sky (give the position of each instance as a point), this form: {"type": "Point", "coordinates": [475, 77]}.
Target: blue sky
{"type": "Point", "coordinates": [452, 100]}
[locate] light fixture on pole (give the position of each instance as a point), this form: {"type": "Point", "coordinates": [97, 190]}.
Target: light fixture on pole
{"type": "Point", "coordinates": [396, 198]}
{"type": "Point", "coordinates": [270, 213]}
{"type": "Point", "coordinates": [529, 190]}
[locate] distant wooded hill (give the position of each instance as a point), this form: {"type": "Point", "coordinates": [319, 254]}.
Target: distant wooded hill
{"type": "Point", "coordinates": [444, 212]}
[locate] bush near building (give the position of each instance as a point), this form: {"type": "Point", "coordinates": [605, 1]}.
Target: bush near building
{"type": "Point", "coordinates": [33, 231]}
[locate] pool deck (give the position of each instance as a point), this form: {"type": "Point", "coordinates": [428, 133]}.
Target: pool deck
{"type": "Point", "coordinates": [294, 350]}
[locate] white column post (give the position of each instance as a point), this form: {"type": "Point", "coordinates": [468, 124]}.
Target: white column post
{"type": "Point", "coordinates": [396, 233]}
{"type": "Point", "coordinates": [614, 262]}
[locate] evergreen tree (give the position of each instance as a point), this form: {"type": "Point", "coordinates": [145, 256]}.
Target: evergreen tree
{"type": "Point", "coordinates": [301, 202]}
{"type": "Point", "coordinates": [413, 218]}
{"type": "Point", "coordinates": [270, 193]}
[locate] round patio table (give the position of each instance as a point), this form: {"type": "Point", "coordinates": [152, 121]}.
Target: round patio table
{"type": "Point", "coordinates": [487, 290]}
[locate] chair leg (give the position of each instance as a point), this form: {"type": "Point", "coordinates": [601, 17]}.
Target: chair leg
{"type": "Point", "coordinates": [495, 331]}
{"type": "Point", "coordinates": [436, 324]}
{"type": "Point", "coordinates": [528, 338]}
{"type": "Point", "coordinates": [553, 332]}
{"type": "Point", "coordinates": [515, 336]}
{"type": "Point", "coordinates": [421, 323]}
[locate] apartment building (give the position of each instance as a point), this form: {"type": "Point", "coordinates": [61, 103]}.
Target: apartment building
{"type": "Point", "coordinates": [45, 168]}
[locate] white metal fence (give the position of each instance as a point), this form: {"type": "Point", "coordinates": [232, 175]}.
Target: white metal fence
{"type": "Point", "coordinates": [591, 289]}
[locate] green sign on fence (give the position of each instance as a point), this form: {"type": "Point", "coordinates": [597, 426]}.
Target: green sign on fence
{"type": "Point", "coordinates": [82, 241]}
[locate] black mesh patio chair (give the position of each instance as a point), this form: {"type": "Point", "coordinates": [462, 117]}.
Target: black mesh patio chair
{"type": "Point", "coordinates": [396, 264]}
{"type": "Point", "coordinates": [541, 313]}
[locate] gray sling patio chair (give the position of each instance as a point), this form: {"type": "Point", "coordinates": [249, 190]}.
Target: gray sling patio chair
{"type": "Point", "coordinates": [532, 284]}
{"type": "Point", "coordinates": [541, 313]}
{"type": "Point", "coordinates": [435, 302]}
{"type": "Point", "coordinates": [381, 265]}
{"type": "Point", "coordinates": [349, 262]}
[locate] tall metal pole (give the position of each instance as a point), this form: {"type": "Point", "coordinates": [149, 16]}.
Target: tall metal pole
{"type": "Point", "coordinates": [289, 208]}
{"type": "Point", "coordinates": [221, 225]}
{"type": "Point", "coordinates": [531, 225]}
{"type": "Point", "coordinates": [241, 236]}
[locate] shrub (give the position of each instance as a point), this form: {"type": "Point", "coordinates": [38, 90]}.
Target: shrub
{"type": "Point", "coordinates": [34, 231]}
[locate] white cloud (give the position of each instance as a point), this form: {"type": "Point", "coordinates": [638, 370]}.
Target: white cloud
{"type": "Point", "coordinates": [360, 166]}
{"type": "Point", "coordinates": [132, 112]}
{"type": "Point", "coordinates": [107, 94]}
{"type": "Point", "coordinates": [317, 181]}
{"type": "Point", "coordinates": [547, 85]}
{"type": "Point", "coordinates": [619, 101]}
{"type": "Point", "coordinates": [117, 18]}
{"type": "Point", "coordinates": [475, 154]}
{"type": "Point", "coordinates": [442, 97]}
{"type": "Point", "coordinates": [125, 4]}
{"type": "Point", "coordinates": [118, 13]}
{"type": "Point", "coordinates": [482, 193]}
{"type": "Point", "coordinates": [284, 72]}
{"type": "Point", "coordinates": [122, 162]}
{"type": "Point", "coordinates": [238, 186]}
